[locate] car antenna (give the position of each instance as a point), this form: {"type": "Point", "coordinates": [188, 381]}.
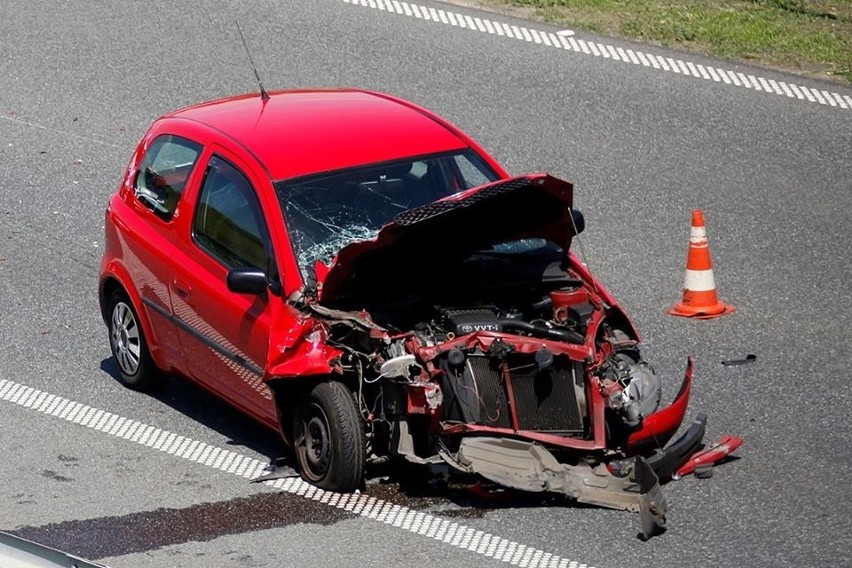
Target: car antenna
{"type": "Point", "coordinates": [263, 94]}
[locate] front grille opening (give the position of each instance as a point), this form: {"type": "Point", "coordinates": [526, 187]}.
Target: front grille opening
{"type": "Point", "coordinates": [545, 400]}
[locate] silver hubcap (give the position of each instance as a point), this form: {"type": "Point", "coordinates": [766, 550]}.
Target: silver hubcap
{"type": "Point", "coordinates": [126, 342]}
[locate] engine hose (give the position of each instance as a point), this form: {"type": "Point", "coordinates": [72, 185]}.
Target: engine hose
{"type": "Point", "coordinates": [543, 331]}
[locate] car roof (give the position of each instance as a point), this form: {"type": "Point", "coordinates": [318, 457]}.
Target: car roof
{"type": "Point", "coordinates": [295, 133]}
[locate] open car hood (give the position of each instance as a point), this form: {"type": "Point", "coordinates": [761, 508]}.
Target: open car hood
{"type": "Point", "coordinates": [423, 239]}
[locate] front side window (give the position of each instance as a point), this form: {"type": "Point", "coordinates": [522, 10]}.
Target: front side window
{"type": "Point", "coordinates": [163, 173]}
{"type": "Point", "coordinates": [228, 220]}
{"type": "Point", "coordinates": [326, 212]}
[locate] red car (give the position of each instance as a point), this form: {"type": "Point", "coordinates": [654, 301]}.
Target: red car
{"type": "Point", "coordinates": [355, 272]}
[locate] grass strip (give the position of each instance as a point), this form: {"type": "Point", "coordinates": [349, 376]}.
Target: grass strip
{"type": "Point", "coordinates": [807, 37]}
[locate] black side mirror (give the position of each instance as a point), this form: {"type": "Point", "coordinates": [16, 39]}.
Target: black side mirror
{"type": "Point", "coordinates": [247, 281]}
{"type": "Point", "coordinates": [578, 220]}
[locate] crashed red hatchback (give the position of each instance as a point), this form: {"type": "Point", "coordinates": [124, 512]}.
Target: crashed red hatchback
{"type": "Point", "coordinates": [358, 274]}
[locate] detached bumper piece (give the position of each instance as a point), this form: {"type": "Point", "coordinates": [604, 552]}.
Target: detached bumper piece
{"type": "Point", "coordinates": [630, 485]}
{"type": "Point", "coordinates": [709, 456]}
{"type": "Point", "coordinates": [668, 461]}
{"type": "Point", "coordinates": [688, 455]}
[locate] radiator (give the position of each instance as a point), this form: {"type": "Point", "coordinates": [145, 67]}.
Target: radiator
{"type": "Point", "coordinates": [545, 401]}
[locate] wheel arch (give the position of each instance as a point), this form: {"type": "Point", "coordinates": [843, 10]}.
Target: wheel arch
{"type": "Point", "coordinates": [288, 391]}
{"type": "Point", "coordinates": [112, 281]}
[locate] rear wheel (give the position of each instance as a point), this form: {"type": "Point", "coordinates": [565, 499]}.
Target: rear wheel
{"type": "Point", "coordinates": [328, 436]}
{"type": "Point", "coordinates": [136, 369]}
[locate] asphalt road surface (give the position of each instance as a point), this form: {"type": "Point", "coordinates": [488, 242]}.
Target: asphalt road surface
{"type": "Point", "coordinates": [646, 135]}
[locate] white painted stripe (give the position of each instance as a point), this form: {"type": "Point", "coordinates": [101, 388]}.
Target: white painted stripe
{"type": "Point", "coordinates": [699, 280]}
{"type": "Point", "coordinates": [417, 522]}
{"type": "Point", "coordinates": [829, 98]}
{"type": "Point", "coordinates": [713, 74]}
{"type": "Point", "coordinates": [698, 235]}
{"type": "Point", "coordinates": [548, 39]}
{"type": "Point", "coordinates": [797, 91]}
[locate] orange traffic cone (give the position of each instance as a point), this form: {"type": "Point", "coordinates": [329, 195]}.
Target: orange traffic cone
{"type": "Point", "coordinates": [699, 288]}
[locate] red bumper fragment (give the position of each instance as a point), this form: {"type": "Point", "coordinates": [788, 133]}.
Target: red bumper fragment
{"type": "Point", "coordinates": [710, 455]}
{"type": "Point", "coordinates": [660, 426]}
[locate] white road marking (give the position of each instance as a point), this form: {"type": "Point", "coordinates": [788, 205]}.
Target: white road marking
{"type": "Point", "coordinates": [552, 40]}
{"type": "Point", "coordinates": [417, 522]}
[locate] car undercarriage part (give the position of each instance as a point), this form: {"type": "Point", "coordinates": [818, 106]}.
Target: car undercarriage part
{"type": "Point", "coordinates": [628, 484]}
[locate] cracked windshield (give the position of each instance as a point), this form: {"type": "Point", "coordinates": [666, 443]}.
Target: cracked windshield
{"type": "Point", "coordinates": [327, 212]}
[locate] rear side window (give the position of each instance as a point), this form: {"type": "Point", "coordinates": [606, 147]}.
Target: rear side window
{"type": "Point", "coordinates": [474, 170]}
{"type": "Point", "coordinates": [228, 220]}
{"type": "Point", "coordinates": [163, 173]}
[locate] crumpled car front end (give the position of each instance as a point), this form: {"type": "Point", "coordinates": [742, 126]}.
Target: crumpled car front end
{"type": "Point", "coordinates": [479, 343]}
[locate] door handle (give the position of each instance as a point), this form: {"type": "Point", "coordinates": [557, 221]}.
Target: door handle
{"type": "Point", "coordinates": [181, 288]}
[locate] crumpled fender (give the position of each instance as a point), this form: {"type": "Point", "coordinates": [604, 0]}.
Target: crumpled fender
{"type": "Point", "coordinates": [303, 352]}
{"type": "Point", "coordinates": [660, 426]}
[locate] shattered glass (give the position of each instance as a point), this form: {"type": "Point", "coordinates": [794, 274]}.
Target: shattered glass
{"type": "Point", "coordinates": [327, 212]}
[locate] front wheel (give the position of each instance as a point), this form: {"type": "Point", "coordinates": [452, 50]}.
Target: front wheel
{"type": "Point", "coordinates": [136, 369]}
{"type": "Point", "coordinates": [328, 436]}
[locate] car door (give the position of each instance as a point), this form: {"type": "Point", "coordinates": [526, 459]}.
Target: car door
{"type": "Point", "coordinates": [224, 335]}
{"type": "Point", "coordinates": [165, 168]}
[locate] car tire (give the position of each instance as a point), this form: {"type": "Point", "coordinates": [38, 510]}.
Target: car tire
{"type": "Point", "coordinates": [136, 368]}
{"type": "Point", "coordinates": [328, 437]}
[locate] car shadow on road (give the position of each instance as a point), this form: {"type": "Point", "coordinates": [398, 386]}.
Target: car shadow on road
{"type": "Point", "coordinates": [196, 403]}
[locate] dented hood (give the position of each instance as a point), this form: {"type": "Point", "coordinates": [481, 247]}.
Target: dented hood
{"type": "Point", "coordinates": [424, 238]}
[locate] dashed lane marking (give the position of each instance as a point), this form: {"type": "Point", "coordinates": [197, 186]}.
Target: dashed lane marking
{"type": "Point", "coordinates": [417, 522]}
{"type": "Point", "coordinates": [564, 40]}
